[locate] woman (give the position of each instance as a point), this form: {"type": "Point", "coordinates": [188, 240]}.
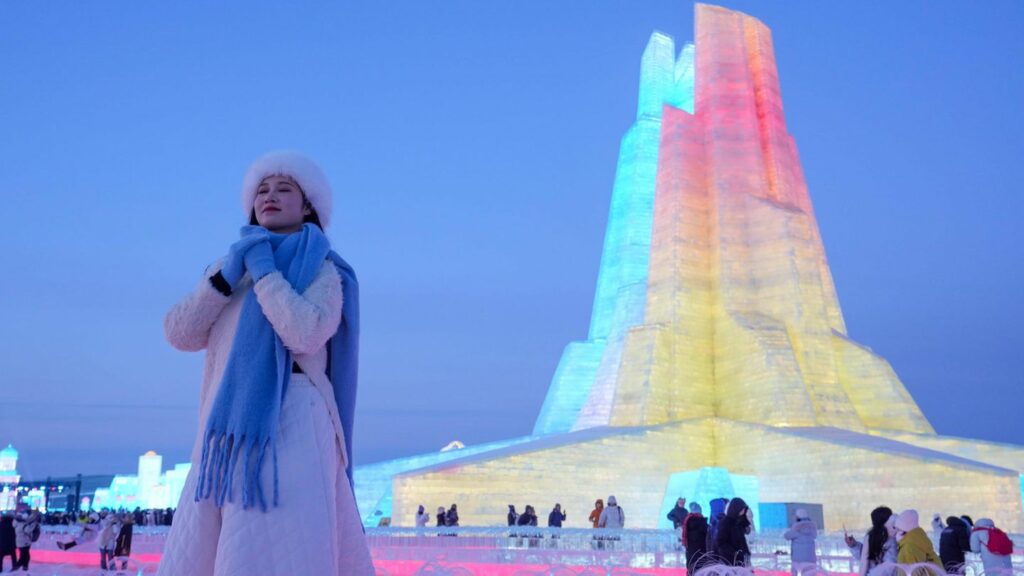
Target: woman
{"type": "Point", "coordinates": [731, 539]}
{"type": "Point", "coordinates": [802, 536]}
{"type": "Point", "coordinates": [268, 492]}
{"type": "Point", "coordinates": [914, 545]}
{"type": "Point", "coordinates": [880, 543]}
{"type": "Point", "coordinates": [123, 546]}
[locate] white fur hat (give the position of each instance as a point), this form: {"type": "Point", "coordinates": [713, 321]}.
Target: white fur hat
{"type": "Point", "coordinates": [300, 168]}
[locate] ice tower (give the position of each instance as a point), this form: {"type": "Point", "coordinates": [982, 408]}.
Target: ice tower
{"type": "Point", "coordinates": [717, 343]}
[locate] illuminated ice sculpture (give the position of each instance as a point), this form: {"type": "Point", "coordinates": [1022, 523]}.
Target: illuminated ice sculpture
{"type": "Point", "coordinates": [717, 345]}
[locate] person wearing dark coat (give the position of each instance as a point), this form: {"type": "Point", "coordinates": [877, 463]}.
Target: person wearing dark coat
{"type": "Point", "coordinates": [695, 539]}
{"type": "Point", "coordinates": [123, 544]}
{"type": "Point", "coordinates": [513, 516]}
{"type": "Point", "coordinates": [441, 516]}
{"type": "Point", "coordinates": [678, 514]}
{"type": "Point", "coordinates": [732, 534]}
{"type": "Point", "coordinates": [954, 541]}
{"type": "Point", "coordinates": [528, 517]}
{"type": "Point", "coordinates": [714, 519]}
{"type": "Point", "coordinates": [452, 517]}
{"type": "Point", "coordinates": [7, 541]}
{"type": "Point", "coordinates": [556, 517]}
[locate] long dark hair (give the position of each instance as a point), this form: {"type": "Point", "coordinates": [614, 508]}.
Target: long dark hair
{"type": "Point", "coordinates": [878, 534]}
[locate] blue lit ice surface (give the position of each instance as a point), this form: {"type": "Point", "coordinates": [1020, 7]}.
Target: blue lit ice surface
{"type": "Point", "coordinates": [622, 280]}
{"type": "Point", "coordinates": [704, 485]}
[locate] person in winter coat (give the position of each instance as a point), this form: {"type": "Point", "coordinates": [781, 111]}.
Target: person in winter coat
{"type": "Point", "coordinates": [732, 534]}
{"type": "Point", "coordinates": [422, 517]}
{"type": "Point", "coordinates": [595, 514]}
{"type": "Point", "coordinates": [802, 536]}
{"type": "Point", "coordinates": [110, 527]}
{"type": "Point", "coordinates": [8, 545]}
{"type": "Point", "coordinates": [714, 519]}
{"type": "Point", "coordinates": [451, 518]}
{"type": "Point", "coordinates": [556, 517]}
{"type": "Point", "coordinates": [954, 542]}
{"type": "Point", "coordinates": [441, 516]}
{"type": "Point", "coordinates": [513, 516]}
{"type": "Point", "coordinates": [612, 516]}
{"type": "Point", "coordinates": [678, 514]}
{"type": "Point", "coordinates": [123, 544]}
{"type": "Point", "coordinates": [993, 562]}
{"type": "Point", "coordinates": [913, 542]}
{"type": "Point", "coordinates": [695, 539]}
{"type": "Point", "coordinates": [278, 318]}
{"type": "Point", "coordinates": [528, 517]}
{"type": "Point", "coordinates": [879, 546]}
{"type": "Point", "coordinates": [25, 525]}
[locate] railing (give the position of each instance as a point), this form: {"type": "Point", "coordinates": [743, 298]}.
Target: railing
{"type": "Point", "coordinates": [574, 547]}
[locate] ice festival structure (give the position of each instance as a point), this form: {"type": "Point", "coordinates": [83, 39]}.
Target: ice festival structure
{"type": "Point", "coordinates": [717, 361]}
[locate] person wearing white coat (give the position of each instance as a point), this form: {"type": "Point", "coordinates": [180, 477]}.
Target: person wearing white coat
{"type": "Point", "coordinates": [612, 516]}
{"type": "Point", "coordinates": [110, 526]}
{"type": "Point", "coordinates": [802, 536]}
{"type": "Point", "coordinates": [25, 524]}
{"type": "Point", "coordinates": [994, 564]}
{"type": "Point", "coordinates": [422, 517]}
{"type": "Point", "coordinates": [314, 526]}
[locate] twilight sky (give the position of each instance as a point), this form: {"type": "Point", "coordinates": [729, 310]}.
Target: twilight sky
{"type": "Point", "coordinates": [472, 147]}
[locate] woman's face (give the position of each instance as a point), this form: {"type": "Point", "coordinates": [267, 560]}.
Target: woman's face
{"type": "Point", "coordinates": [280, 205]}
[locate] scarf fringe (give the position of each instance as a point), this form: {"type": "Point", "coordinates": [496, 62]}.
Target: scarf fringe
{"type": "Point", "coordinates": [218, 464]}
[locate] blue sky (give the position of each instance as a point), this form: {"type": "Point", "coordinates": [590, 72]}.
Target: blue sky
{"type": "Point", "coordinates": [472, 147]}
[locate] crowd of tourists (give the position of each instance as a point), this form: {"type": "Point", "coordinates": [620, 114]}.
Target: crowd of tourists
{"type": "Point", "coordinates": [112, 531]}
{"type": "Point", "coordinates": [721, 538]}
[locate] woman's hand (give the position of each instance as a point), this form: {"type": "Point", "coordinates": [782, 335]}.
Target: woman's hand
{"type": "Point", "coordinates": [234, 264]}
{"type": "Point", "coordinates": [259, 259]}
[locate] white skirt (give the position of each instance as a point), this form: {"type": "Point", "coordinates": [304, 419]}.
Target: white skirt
{"type": "Point", "coordinates": [315, 528]}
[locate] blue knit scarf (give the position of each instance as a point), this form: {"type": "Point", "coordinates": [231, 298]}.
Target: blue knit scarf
{"type": "Point", "coordinates": [244, 420]}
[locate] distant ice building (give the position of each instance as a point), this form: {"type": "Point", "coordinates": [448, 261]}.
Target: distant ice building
{"type": "Point", "coordinates": [150, 488]}
{"type": "Point", "coordinates": [9, 478]}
